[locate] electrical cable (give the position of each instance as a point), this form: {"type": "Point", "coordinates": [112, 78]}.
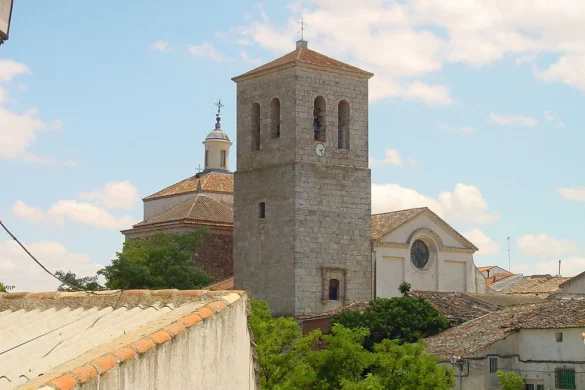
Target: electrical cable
{"type": "Point", "coordinates": [74, 287]}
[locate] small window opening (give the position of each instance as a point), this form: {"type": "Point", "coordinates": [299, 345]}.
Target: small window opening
{"type": "Point", "coordinates": [320, 119]}
{"type": "Point", "coordinates": [334, 290]}
{"type": "Point", "coordinates": [275, 118]}
{"type": "Point", "coordinates": [493, 365]}
{"type": "Point", "coordinates": [343, 125]}
{"type": "Point", "coordinates": [559, 337]}
{"type": "Point", "coordinates": [262, 210]}
{"type": "Point", "coordinates": [223, 158]}
{"type": "Point", "coordinates": [564, 378]}
{"type": "Point", "coordinates": [206, 158]}
{"type": "Point", "coordinates": [255, 126]}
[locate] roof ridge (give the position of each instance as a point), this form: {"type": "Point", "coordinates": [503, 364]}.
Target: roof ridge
{"type": "Point", "coordinates": [397, 211]}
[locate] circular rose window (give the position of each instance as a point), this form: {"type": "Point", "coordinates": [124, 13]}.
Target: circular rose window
{"type": "Point", "coordinates": [419, 254]}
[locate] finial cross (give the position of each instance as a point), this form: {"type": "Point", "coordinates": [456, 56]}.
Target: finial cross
{"type": "Point", "coordinates": [219, 106]}
{"type": "Point", "coordinates": [303, 24]}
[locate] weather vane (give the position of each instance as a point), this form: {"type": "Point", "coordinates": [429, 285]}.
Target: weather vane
{"type": "Point", "coordinates": [302, 31]}
{"type": "Point", "coordinates": [219, 106]}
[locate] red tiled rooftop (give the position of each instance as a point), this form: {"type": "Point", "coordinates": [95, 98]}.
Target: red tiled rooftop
{"type": "Point", "coordinates": [215, 182]}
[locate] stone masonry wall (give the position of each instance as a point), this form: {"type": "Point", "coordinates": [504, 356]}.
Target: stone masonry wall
{"type": "Point", "coordinates": [216, 256]}
{"type": "Point", "coordinates": [317, 208]}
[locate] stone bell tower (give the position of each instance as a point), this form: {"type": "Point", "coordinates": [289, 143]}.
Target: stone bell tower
{"type": "Point", "coordinates": [302, 188]}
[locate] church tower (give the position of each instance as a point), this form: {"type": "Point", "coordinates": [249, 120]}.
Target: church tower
{"type": "Point", "coordinates": [217, 146]}
{"type": "Point", "coordinates": [302, 187]}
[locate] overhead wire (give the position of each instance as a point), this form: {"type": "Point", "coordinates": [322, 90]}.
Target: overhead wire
{"type": "Point", "coordinates": [71, 285]}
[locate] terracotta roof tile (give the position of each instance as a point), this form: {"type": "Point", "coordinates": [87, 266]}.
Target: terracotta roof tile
{"type": "Point", "coordinates": [210, 182]}
{"type": "Point", "coordinates": [227, 284]}
{"type": "Point", "coordinates": [199, 209]}
{"type": "Point", "coordinates": [457, 306]}
{"type": "Point", "coordinates": [112, 323]}
{"type": "Point", "coordinates": [482, 269]}
{"type": "Point", "coordinates": [536, 284]}
{"type": "Point", "coordinates": [304, 55]}
{"type": "Point", "coordinates": [479, 333]}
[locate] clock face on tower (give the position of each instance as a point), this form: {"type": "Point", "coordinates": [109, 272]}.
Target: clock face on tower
{"type": "Point", "coordinates": [320, 150]}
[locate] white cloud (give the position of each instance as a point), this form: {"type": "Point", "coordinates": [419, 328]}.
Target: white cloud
{"type": "Point", "coordinates": [162, 46]}
{"type": "Point", "coordinates": [391, 156]}
{"type": "Point", "coordinates": [561, 125]}
{"type": "Point", "coordinates": [485, 244]}
{"type": "Point", "coordinates": [465, 204]}
{"type": "Point", "coordinates": [18, 269]}
{"type": "Point", "coordinates": [577, 193]}
{"type": "Point", "coordinates": [114, 195]}
{"type": "Point", "coordinates": [430, 94]}
{"type": "Point", "coordinates": [206, 51]}
{"type": "Point", "coordinates": [549, 115]}
{"type": "Point", "coordinates": [545, 246]}
{"type": "Point", "coordinates": [570, 266]}
{"type": "Point", "coordinates": [513, 119]}
{"type": "Point", "coordinates": [9, 69]}
{"type": "Point", "coordinates": [568, 70]}
{"type": "Point", "coordinates": [71, 210]}
{"type": "Point", "coordinates": [457, 130]}
{"type": "Point", "coordinates": [418, 37]}
{"type": "Point", "coordinates": [246, 58]}
{"type": "Point", "coordinates": [413, 162]}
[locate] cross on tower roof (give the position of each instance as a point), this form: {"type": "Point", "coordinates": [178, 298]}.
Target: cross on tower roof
{"type": "Point", "coordinates": [217, 116]}
{"type": "Point", "coordinates": [302, 31]}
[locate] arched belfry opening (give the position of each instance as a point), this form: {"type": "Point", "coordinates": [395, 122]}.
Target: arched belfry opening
{"type": "Point", "coordinates": [275, 118]}
{"type": "Point", "coordinates": [320, 119]}
{"type": "Point", "coordinates": [255, 126]}
{"type": "Point", "coordinates": [343, 122]}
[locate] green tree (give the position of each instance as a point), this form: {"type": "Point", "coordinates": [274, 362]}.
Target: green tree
{"type": "Point", "coordinates": [73, 283]}
{"type": "Point", "coordinates": [161, 261]}
{"type": "Point", "coordinates": [2, 289]}
{"type": "Point", "coordinates": [406, 318]}
{"type": "Point", "coordinates": [510, 380]}
{"type": "Point", "coordinates": [5, 287]}
{"type": "Point", "coordinates": [289, 361]}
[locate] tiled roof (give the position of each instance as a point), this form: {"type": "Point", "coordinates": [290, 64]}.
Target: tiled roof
{"type": "Point", "coordinates": [303, 55]}
{"type": "Point", "coordinates": [498, 278]}
{"type": "Point", "coordinates": [224, 285]}
{"type": "Point", "coordinates": [385, 223]}
{"type": "Point", "coordinates": [63, 339]}
{"type": "Point", "coordinates": [482, 269]}
{"type": "Point", "coordinates": [199, 209]}
{"type": "Point", "coordinates": [536, 284]}
{"type": "Point", "coordinates": [456, 306]}
{"type": "Point", "coordinates": [506, 300]}
{"type": "Point", "coordinates": [473, 336]}
{"type": "Point", "coordinates": [353, 306]}
{"type": "Point", "coordinates": [210, 182]}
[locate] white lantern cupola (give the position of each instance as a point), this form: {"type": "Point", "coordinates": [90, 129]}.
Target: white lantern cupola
{"type": "Point", "coordinates": [217, 147]}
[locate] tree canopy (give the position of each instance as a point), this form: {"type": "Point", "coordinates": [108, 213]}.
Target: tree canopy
{"type": "Point", "coordinates": [510, 380]}
{"type": "Point", "coordinates": [406, 319]}
{"type": "Point", "coordinates": [290, 361]}
{"type": "Point", "coordinates": [74, 283]}
{"type": "Point", "coordinates": [158, 262]}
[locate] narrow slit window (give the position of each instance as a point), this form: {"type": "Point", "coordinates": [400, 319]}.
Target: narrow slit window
{"type": "Point", "coordinates": [343, 121]}
{"type": "Point", "coordinates": [334, 290]}
{"type": "Point", "coordinates": [320, 119]}
{"type": "Point", "coordinates": [275, 118]}
{"type": "Point", "coordinates": [493, 365]}
{"type": "Point", "coordinates": [261, 210]}
{"type": "Point", "coordinates": [559, 337]}
{"type": "Point", "coordinates": [255, 126]}
{"type": "Point", "coordinates": [223, 158]}
{"type": "Point", "coordinates": [206, 158]}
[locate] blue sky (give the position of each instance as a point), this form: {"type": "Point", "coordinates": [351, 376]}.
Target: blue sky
{"type": "Point", "coordinates": [475, 111]}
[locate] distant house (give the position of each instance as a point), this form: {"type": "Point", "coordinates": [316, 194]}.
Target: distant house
{"type": "Point", "coordinates": [540, 285]}
{"type": "Point", "coordinates": [137, 339]}
{"type": "Point", "coordinates": [494, 274]}
{"type": "Point", "coordinates": [542, 342]}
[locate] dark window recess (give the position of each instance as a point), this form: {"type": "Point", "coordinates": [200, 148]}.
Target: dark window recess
{"type": "Point", "coordinates": [206, 158]}
{"type": "Point", "coordinates": [343, 125]}
{"type": "Point", "coordinates": [223, 155]}
{"type": "Point", "coordinates": [320, 119]}
{"type": "Point", "coordinates": [262, 210]}
{"type": "Point", "coordinates": [529, 387]}
{"type": "Point", "coordinates": [334, 290]}
{"type": "Point", "coordinates": [539, 387]}
{"type": "Point", "coordinates": [564, 378]}
{"type": "Point", "coordinates": [255, 126]}
{"type": "Point", "coordinates": [493, 365]}
{"type": "Point", "coordinates": [559, 337]}
{"type": "Point", "coordinates": [275, 118]}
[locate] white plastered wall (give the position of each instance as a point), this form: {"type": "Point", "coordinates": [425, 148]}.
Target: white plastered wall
{"type": "Point", "coordinates": [445, 271]}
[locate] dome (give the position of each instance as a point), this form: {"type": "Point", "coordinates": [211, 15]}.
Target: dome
{"type": "Point", "coordinates": [217, 134]}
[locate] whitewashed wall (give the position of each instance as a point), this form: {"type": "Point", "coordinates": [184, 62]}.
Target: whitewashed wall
{"type": "Point", "coordinates": [446, 270]}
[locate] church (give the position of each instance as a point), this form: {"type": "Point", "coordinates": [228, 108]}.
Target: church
{"type": "Point", "coordinates": [293, 223]}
